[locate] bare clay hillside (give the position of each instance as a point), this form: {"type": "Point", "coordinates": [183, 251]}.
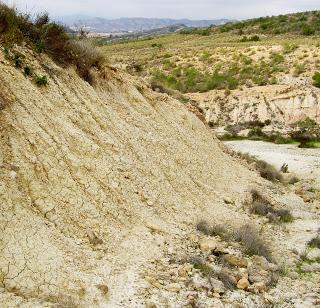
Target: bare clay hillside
{"type": "Point", "coordinates": [102, 186]}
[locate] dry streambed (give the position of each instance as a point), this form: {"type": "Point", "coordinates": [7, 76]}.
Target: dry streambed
{"type": "Point", "coordinates": [304, 162]}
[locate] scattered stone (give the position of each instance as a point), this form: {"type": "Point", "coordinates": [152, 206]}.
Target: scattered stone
{"type": "Point", "coordinates": [153, 227]}
{"type": "Point", "coordinates": [236, 261]}
{"type": "Point", "coordinates": [184, 271]}
{"type": "Point", "coordinates": [244, 273]}
{"type": "Point", "coordinates": [309, 268]}
{"type": "Point", "coordinates": [207, 245]}
{"type": "Point", "coordinates": [151, 305]}
{"type": "Point", "coordinates": [173, 287]}
{"type": "Point", "coordinates": [260, 286]}
{"type": "Point", "coordinates": [12, 174]}
{"type": "Point", "coordinates": [314, 254]}
{"type": "Point", "coordinates": [217, 286]}
{"type": "Point", "coordinates": [260, 270]}
{"type": "Point", "coordinates": [243, 284]}
{"type": "Point", "coordinates": [194, 238]}
{"type": "Point", "coordinates": [228, 200]}
{"type": "Point", "coordinates": [199, 282]}
{"type": "Point", "coordinates": [308, 196]}
{"type": "Point", "coordinates": [153, 281]}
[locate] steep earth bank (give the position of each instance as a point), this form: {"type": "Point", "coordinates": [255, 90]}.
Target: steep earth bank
{"type": "Point", "coordinates": [277, 105]}
{"type": "Point", "coordinates": [100, 186]}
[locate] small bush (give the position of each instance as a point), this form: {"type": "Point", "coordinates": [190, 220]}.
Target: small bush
{"type": "Point", "coordinates": [27, 71]}
{"type": "Point", "coordinates": [49, 37]}
{"type": "Point", "coordinates": [253, 244]}
{"type": "Point", "coordinates": [41, 80]}
{"type": "Point", "coordinates": [284, 215]}
{"type": "Point", "coordinates": [17, 61]}
{"type": "Point", "coordinates": [227, 279]}
{"type": "Point", "coordinates": [268, 171]}
{"type": "Point", "coordinates": [219, 230]}
{"type": "Point", "coordinates": [284, 168]}
{"type": "Point", "coordinates": [201, 265]}
{"type": "Point", "coordinates": [315, 242]}
{"type": "Point", "coordinates": [262, 207]}
{"type": "Point", "coordinates": [254, 38]}
{"type": "Point", "coordinates": [204, 227]}
{"type": "Point", "coordinates": [307, 30]}
{"type": "Point", "coordinates": [216, 230]}
{"type": "Point", "coordinates": [316, 79]}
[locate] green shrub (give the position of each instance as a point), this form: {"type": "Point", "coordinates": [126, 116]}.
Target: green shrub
{"type": "Point", "coordinates": [27, 71]}
{"type": "Point", "coordinates": [254, 38]}
{"type": "Point", "coordinates": [18, 61]}
{"type": "Point", "coordinates": [39, 46]}
{"type": "Point", "coordinates": [198, 31]}
{"type": "Point", "coordinates": [307, 30]}
{"type": "Point", "coordinates": [316, 79]}
{"type": "Point", "coordinates": [308, 24]}
{"type": "Point", "coordinates": [41, 80]}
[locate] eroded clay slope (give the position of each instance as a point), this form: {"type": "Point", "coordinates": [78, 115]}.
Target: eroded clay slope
{"type": "Point", "coordinates": [87, 173]}
{"type": "Point", "coordinates": [282, 105]}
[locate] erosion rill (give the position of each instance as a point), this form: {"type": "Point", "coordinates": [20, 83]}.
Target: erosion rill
{"type": "Point", "coordinates": [102, 188]}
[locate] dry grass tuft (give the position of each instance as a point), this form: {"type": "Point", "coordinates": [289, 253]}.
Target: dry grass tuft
{"type": "Point", "coordinates": [262, 207]}
{"type": "Point", "coordinates": [203, 227]}
{"type": "Point", "coordinates": [268, 171]}
{"type": "Point", "coordinates": [315, 242]}
{"type": "Point", "coordinates": [215, 230]}
{"type": "Point", "coordinates": [253, 244]}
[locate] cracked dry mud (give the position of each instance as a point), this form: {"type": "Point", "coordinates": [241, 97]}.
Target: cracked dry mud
{"type": "Point", "coordinates": [96, 183]}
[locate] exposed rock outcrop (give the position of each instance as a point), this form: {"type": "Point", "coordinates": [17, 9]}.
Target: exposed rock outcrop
{"type": "Point", "coordinates": [282, 105]}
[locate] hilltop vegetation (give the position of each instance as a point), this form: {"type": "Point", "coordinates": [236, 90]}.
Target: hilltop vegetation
{"type": "Point", "coordinates": [44, 36]}
{"type": "Point", "coordinates": [199, 63]}
{"type": "Point", "coordinates": [305, 23]}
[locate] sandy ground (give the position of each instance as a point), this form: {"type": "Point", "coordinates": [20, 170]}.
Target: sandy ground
{"type": "Point", "coordinates": [304, 162]}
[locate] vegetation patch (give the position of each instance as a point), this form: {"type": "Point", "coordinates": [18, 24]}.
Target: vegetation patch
{"type": "Point", "coordinates": [45, 36]}
{"type": "Point", "coordinates": [253, 244]}
{"type": "Point", "coordinates": [262, 207]}
{"type": "Point", "coordinates": [305, 23]}
{"type": "Point", "coordinates": [41, 80]}
{"type": "Point", "coordinates": [307, 133]}
{"type": "Point", "coordinates": [214, 230]}
{"type": "Point", "coordinates": [242, 70]}
{"type": "Point", "coordinates": [315, 242]}
{"type": "Point", "coordinates": [316, 79]}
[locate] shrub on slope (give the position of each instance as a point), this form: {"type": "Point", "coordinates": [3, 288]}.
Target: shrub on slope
{"type": "Point", "coordinates": [45, 36]}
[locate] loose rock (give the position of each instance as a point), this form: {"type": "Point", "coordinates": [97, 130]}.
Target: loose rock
{"type": "Point", "coordinates": [243, 284]}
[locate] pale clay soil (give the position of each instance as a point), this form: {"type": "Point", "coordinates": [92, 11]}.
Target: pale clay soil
{"type": "Point", "coordinates": [101, 190]}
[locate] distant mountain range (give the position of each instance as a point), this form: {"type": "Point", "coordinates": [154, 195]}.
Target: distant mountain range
{"type": "Point", "coordinates": [98, 24]}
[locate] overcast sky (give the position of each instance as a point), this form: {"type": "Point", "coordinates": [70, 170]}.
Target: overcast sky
{"type": "Point", "coordinates": [193, 9]}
